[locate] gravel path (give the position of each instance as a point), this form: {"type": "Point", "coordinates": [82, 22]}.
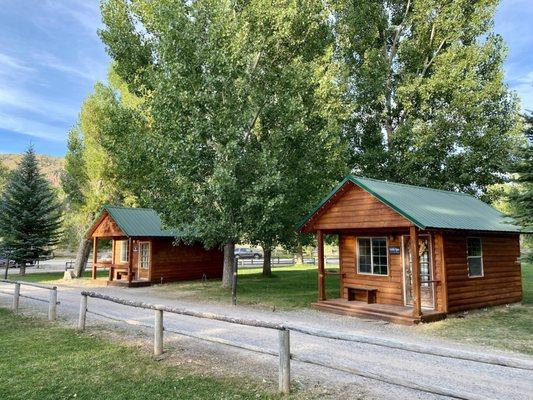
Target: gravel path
{"type": "Point", "coordinates": [474, 380]}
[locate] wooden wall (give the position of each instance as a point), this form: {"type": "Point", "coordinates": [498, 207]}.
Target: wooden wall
{"type": "Point", "coordinates": [106, 227]}
{"type": "Point", "coordinates": [501, 283]}
{"type": "Point", "coordinates": [183, 262]}
{"type": "Point", "coordinates": [357, 209]}
{"type": "Point", "coordinates": [389, 288]}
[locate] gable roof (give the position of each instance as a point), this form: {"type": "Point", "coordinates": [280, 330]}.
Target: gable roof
{"type": "Point", "coordinates": [429, 208]}
{"type": "Point", "coordinates": [136, 221]}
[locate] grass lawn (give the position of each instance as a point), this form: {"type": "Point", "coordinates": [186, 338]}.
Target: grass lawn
{"type": "Point", "coordinates": [47, 277]}
{"type": "Point", "coordinates": [47, 361]}
{"type": "Point", "coordinates": [508, 328]}
{"type": "Point", "coordinates": [287, 288]}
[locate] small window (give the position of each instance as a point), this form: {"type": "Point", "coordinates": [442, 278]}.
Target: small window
{"type": "Point", "coordinates": [474, 257]}
{"type": "Point", "coordinates": [124, 250]}
{"type": "Point", "coordinates": [372, 256]}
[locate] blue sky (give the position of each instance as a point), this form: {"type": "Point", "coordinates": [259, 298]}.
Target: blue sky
{"type": "Point", "coordinates": [51, 56]}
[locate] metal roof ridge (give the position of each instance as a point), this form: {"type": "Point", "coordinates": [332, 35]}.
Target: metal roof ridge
{"type": "Point", "coordinates": [412, 186]}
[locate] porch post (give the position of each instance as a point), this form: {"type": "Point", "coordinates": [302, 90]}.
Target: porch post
{"type": "Point", "coordinates": [130, 261]}
{"type": "Point", "coordinates": [415, 269]}
{"type": "Point", "coordinates": [112, 267]}
{"type": "Point", "coordinates": [321, 271]}
{"type": "Point", "coordinates": [95, 256]}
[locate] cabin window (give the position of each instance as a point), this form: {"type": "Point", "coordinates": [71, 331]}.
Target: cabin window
{"type": "Point", "coordinates": [372, 256]}
{"type": "Point", "coordinates": [124, 250]}
{"type": "Point", "coordinates": [474, 257]}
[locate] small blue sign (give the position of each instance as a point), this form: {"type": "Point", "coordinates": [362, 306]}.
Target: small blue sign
{"type": "Point", "coordinates": [394, 249]}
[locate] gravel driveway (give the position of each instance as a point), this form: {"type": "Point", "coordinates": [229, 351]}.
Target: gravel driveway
{"type": "Point", "coordinates": [474, 380]}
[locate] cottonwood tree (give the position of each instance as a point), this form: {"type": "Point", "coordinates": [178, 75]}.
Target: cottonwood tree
{"type": "Point", "coordinates": [30, 213]}
{"type": "Point", "coordinates": [213, 75]}
{"type": "Point", "coordinates": [92, 175]}
{"type": "Point", "coordinates": [425, 81]}
{"type": "Point", "coordinates": [521, 194]}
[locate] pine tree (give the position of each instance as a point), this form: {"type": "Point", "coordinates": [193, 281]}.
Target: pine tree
{"type": "Point", "coordinates": [521, 196]}
{"type": "Point", "coordinates": [30, 213]}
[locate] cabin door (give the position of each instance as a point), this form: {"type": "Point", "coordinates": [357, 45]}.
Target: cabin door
{"type": "Point", "coordinates": [427, 294]}
{"type": "Point", "coordinates": [145, 260]}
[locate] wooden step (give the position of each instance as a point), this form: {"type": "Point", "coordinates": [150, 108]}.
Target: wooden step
{"type": "Point", "coordinates": [125, 283]}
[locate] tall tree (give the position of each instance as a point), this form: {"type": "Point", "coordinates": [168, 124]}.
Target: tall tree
{"type": "Point", "coordinates": [30, 213]}
{"type": "Point", "coordinates": [93, 176]}
{"type": "Point", "coordinates": [521, 193]}
{"type": "Point", "coordinates": [425, 80]}
{"type": "Point", "coordinates": [213, 75]}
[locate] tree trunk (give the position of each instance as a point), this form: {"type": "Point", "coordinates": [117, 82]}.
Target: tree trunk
{"type": "Point", "coordinates": [22, 268]}
{"type": "Point", "coordinates": [299, 254]}
{"type": "Point", "coordinates": [7, 267]}
{"type": "Point", "coordinates": [267, 258]}
{"type": "Point", "coordinates": [229, 260]}
{"type": "Point", "coordinates": [84, 248]}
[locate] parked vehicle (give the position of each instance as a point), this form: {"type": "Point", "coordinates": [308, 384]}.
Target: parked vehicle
{"type": "Point", "coordinates": [246, 252]}
{"type": "Point", "coordinates": [11, 263]}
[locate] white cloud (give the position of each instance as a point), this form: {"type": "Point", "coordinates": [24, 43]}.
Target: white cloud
{"type": "Point", "coordinates": [10, 65]}
{"type": "Point", "coordinates": [12, 99]}
{"type": "Point", "coordinates": [32, 128]}
{"type": "Point", "coordinates": [84, 69]}
{"type": "Point", "coordinates": [523, 85]}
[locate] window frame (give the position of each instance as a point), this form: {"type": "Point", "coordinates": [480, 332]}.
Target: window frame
{"type": "Point", "coordinates": [371, 255]}
{"type": "Point", "coordinates": [480, 257]}
{"type": "Point", "coordinates": [124, 244]}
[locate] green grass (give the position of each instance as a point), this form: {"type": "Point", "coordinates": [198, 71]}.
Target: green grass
{"type": "Point", "coordinates": [508, 328]}
{"type": "Point", "coordinates": [44, 277]}
{"type": "Point", "coordinates": [47, 361]}
{"type": "Point", "coordinates": [287, 288]}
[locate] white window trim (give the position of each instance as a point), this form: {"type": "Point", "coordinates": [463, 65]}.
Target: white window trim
{"type": "Point", "coordinates": [371, 256]}
{"type": "Point", "coordinates": [480, 257]}
{"type": "Point", "coordinates": [127, 243]}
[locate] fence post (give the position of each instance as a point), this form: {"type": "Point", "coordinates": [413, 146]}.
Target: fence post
{"type": "Point", "coordinates": [158, 333]}
{"type": "Point", "coordinates": [284, 361]}
{"type": "Point", "coordinates": [83, 312]}
{"type": "Point", "coordinates": [52, 304]}
{"type": "Point", "coordinates": [234, 282]}
{"type": "Point", "coordinates": [16, 297]}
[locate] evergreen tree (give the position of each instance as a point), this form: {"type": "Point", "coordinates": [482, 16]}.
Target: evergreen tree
{"type": "Point", "coordinates": [30, 213]}
{"type": "Point", "coordinates": [521, 195]}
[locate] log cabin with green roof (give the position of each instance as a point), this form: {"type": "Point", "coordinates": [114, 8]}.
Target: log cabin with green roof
{"type": "Point", "coordinates": [143, 253]}
{"type": "Point", "coordinates": [467, 252]}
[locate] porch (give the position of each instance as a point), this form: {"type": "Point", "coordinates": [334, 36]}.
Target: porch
{"type": "Point", "coordinates": [392, 313]}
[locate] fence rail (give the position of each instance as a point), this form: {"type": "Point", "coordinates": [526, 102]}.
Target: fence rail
{"type": "Point", "coordinates": [52, 296]}
{"type": "Point", "coordinates": [284, 354]}
{"type": "Point", "coordinates": [285, 261]}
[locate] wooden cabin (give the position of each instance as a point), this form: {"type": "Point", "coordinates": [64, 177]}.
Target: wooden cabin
{"type": "Point", "coordinates": [467, 252]}
{"type": "Point", "coordinates": [143, 253]}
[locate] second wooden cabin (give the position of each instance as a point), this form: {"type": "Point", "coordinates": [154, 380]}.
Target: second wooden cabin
{"type": "Point", "coordinates": [143, 253]}
{"type": "Point", "coordinates": [467, 253]}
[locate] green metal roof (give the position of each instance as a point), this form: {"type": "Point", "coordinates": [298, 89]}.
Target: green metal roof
{"type": "Point", "coordinates": [430, 208]}
{"type": "Point", "coordinates": [137, 221]}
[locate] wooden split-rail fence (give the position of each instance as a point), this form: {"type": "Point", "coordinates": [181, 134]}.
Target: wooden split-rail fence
{"type": "Point", "coordinates": [284, 353]}
{"type": "Point", "coordinates": [52, 296]}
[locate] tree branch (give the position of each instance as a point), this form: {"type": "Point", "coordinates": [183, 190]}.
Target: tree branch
{"type": "Point", "coordinates": [435, 54]}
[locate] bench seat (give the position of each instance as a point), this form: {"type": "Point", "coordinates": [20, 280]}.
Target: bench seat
{"type": "Point", "coordinates": [369, 292]}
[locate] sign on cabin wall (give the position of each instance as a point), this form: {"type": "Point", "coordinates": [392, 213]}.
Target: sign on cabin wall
{"type": "Point", "coordinates": [394, 249]}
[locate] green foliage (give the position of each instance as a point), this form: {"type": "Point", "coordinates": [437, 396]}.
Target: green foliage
{"type": "Point", "coordinates": [30, 213]}
{"type": "Point", "coordinates": [425, 82]}
{"type": "Point", "coordinates": [242, 109]}
{"type": "Point", "coordinates": [93, 175]}
{"type": "Point", "coordinates": [520, 196]}
{"type": "Point", "coordinates": [4, 173]}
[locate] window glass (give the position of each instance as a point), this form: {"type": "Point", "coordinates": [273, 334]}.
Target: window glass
{"type": "Point", "coordinates": [372, 256]}
{"type": "Point", "coordinates": [379, 256]}
{"type": "Point", "coordinates": [365, 258]}
{"type": "Point", "coordinates": [474, 247]}
{"type": "Point", "coordinates": [124, 250]}
{"type": "Point", "coordinates": [474, 257]}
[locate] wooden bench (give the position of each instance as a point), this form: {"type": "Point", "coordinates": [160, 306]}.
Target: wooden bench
{"type": "Point", "coordinates": [370, 293]}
